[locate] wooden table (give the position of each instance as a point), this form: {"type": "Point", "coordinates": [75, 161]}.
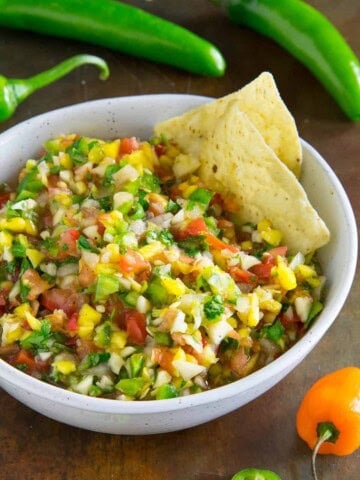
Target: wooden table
{"type": "Point", "coordinates": [262, 433]}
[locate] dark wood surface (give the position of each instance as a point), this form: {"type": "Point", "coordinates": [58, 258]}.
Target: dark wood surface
{"type": "Point", "coordinates": [262, 433]}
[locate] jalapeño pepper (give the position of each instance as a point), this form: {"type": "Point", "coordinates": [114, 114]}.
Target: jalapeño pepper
{"type": "Point", "coordinates": [118, 26]}
{"type": "Point", "coordinates": [13, 91]}
{"type": "Point", "coordinates": [310, 37]}
{"type": "Point", "coordinates": [255, 474]}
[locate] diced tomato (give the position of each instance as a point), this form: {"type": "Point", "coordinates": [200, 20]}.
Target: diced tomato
{"type": "Point", "coordinates": [4, 197]}
{"type": "Point", "coordinates": [68, 244]}
{"type": "Point", "coordinates": [164, 357]}
{"type": "Point", "coordinates": [262, 270]}
{"type": "Point", "coordinates": [240, 275]}
{"type": "Point", "coordinates": [37, 285]}
{"type": "Point", "coordinates": [157, 204]}
{"type": "Point", "coordinates": [135, 326]}
{"type": "Point", "coordinates": [224, 224]}
{"type": "Point", "coordinates": [72, 323]}
{"type": "Point", "coordinates": [101, 228]}
{"type": "Point", "coordinates": [160, 149]}
{"type": "Point", "coordinates": [194, 227]}
{"type": "Point", "coordinates": [3, 296]}
{"type": "Point", "coordinates": [132, 262]}
{"type": "Point", "coordinates": [230, 204]}
{"type": "Point", "coordinates": [65, 299]}
{"type": "Point", "coordinates": [23, 357]}
{"type": "Point", "coordinates": [218, 244]}
{"type": "Point", "coordinates": [53, 180]}
{"type": "Point", "coordinates": [238, 362]}
{"type": "Point", "coordinates": [86, 275]}
{"type": "Point", "coordinates": [128, 145]}
{"type": "Point", "coordinates": [274, 252]}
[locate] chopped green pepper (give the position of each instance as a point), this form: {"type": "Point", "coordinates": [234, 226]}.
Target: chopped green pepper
{"type": "Point", "coordinates": [166, 391]}
{"type": "Point", "coordinates": [130, 386]}
{"type": "Point", "coordinates": [105, 286]}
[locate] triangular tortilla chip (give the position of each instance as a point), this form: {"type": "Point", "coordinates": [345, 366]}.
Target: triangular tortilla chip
{"type": "Point", "coordinates": [236, 159]}
{"type": "Point", "coordinates": [262, 103]}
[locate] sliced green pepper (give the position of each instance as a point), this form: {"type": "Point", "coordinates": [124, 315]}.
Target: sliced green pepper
{"type": "Point", "coordinates": [117, 26]}
{"type": "Point", "coordinates": [310, 37]}
{"type": "Point", "coordinates": [255, 474]}
{"type": "Point", "coordinates": [14, 91]}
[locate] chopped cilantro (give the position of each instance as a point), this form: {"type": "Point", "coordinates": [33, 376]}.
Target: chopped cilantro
{"type": "Point", "coordinates": [18, 250]}
{"type": "Point", "coordinates": [84, 244]}
{"type": "Point", "coordinates": [193, 244]}
{"type": "Point", "coordinates": [213, 307]}
{"type": "Point", "coordinates": [105, 203]}
{"type": "Point", "coordinates": [93, 359]}
{"type": "Point", "coordinates": [273, 332]}
{"type": "Point", "coordinates": [164, 236]}
{"type": "Point", "coordinates": [172, 207]}
{"type": "Point", "coordinates": [38, 340]}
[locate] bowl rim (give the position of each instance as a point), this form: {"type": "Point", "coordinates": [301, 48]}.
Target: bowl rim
{"type": "Point", "coordinates": [39, 388]}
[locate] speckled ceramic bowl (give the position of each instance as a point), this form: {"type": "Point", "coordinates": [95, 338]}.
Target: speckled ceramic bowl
{"type": "Point", "coordinates": [126, 116]}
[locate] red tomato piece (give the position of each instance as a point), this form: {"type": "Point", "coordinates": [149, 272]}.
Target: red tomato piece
{"type": "Point", "coordinates": [135, 323]}
{"type": "Point", "coordinates": [262, 270]}
{"type": "Point", "coordinates": [68, 244]}
{"type": "Point", "coordinates": [65, 299]}
{"type": "Point", "coordinates": [72, 323]}
{"type": "Point", "coordinates": [218, 244]}
{"type": "Point", "coordinates": [128, 145]}
{"type": "Point", "coordinates": [164, 357]}
{"type": "Point", "coordinates": [36, 284]}
{"type": "Point", "coordinates": [274, 252]}
{"type": "Point", "coordinates": [194, 227]}
{"type": "Point", "coordinates": [240, 275]}
{"type": "Point", "coordinates": [4, 197]}
{"type": "Point", "coordinates": [23, 357]}
{"type": "Point", "coordinates": [132, 262]}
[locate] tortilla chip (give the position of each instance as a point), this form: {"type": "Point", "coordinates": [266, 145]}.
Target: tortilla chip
{"type": "Point", "coordinates": [261, 101]}
{"type": "Point", "coordinates": [236, 160]}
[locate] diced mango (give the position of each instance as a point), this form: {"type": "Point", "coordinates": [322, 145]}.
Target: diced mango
{"type": "Point", "coordinates": [111, 149]}
{"type": "Point", "coordinates": [285, 276]}
{"type": "Point", "coordinates": [22, 309]}
{"type": "Point", "coordinates": [34, 323]}
{"type": "Point", "coordinates": [174, 286]}
{"type": "Point", "coordinates": [118, 340]}
{"type": "Point", "coordinates": [88, 319]}
{"type": "Point", "coordinates": [150, 251]}
{"type": "Point", "coordinates": [18, 225]}
{"type": "Point", "coordinates": [65, 366]}
{"type": "Point", "coordinates": [35, 256]}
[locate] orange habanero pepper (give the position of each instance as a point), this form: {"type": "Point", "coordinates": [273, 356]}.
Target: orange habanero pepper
{"type": "Point", "coordinates": [328, 419]}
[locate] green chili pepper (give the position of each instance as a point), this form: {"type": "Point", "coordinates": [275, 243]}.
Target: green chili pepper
{"type": "Point", "coordinates": [310, 37]}
{"type": "Point", "coordinates": [13, 91]}
{"type": "Point", "coordinates": [255, 474]}
{"type": "Point", "coordinates": [114, 25]}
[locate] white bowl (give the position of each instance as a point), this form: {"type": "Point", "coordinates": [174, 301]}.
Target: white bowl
{"type": "Point", "coordinates": [126, 116]}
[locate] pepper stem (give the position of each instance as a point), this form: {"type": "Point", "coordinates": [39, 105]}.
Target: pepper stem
{"type": "Point", "coordinates": [23, 88]}
{"type": "Point", "coordinates": [327, 432]}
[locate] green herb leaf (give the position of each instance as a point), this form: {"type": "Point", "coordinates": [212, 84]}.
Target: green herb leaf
{"type": "Point", "coordinates": [193, 244]}
{"type": "Point", "coordinates": [84, 244]}
{"type": "Point", "coordinates": [273, 332]}
{"type": "Point", "coordinates": [213, 307]}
